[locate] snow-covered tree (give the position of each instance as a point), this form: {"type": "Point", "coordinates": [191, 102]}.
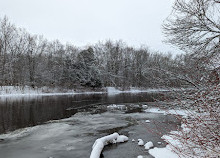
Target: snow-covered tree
{"type": "Point", "coordinates": [194, 26]}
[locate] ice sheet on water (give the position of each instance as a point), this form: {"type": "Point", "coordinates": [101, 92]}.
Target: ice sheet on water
{"type": "Point", "coordinates": [18, 133]}
{"type": "Point", "coordinates": [71, 135]}
{"type": "Point", "coordinates": [65, 145]}
{"type": "Point", "coordinates": [51, 130]}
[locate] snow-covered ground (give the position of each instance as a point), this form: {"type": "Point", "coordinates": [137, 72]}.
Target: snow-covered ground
{"type": "Point", "coordinates": [16, 91]}
{"type": "Point", "coordinates": [165, 152]}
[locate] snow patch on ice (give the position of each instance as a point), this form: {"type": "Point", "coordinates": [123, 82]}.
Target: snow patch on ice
{"type": "Point", "coordinates": [148, 145]}
{"type": "Point", "coordinates": [172, 111]}
{"type": "Point", "coordinates": [162, 153]}
{"type": "Point", "coordinates": [121, 139]}
{"type": "Point", "coordinates": [18, 133]}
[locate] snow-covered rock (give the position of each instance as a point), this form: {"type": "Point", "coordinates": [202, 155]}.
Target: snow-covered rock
{"type": "Point", "coordinates": [148, 145]}
{"type": "Point", "coordinates": [140, 142]}
{"type": "Point", "coordinates": [147, 121]}
{"type": "Point", "coordinates": [144, 106]}
{"type": "Point", "coordinates": [121, 139]}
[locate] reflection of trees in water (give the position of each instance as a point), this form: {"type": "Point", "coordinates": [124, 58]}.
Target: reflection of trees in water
{"type": "Point", "coordinates": [20, 113]}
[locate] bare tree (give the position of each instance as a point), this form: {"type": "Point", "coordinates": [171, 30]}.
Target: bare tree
{"type": "Point", "coordinates": [194, 26]}
{"type": "Point", "coordinates": [7, 33]}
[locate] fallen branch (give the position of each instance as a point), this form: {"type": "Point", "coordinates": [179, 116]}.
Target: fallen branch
{"type": "Point", "coordinates": [101, 142]}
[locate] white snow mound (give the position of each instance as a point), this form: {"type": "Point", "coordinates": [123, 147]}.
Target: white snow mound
{"type": "Point", "coordinates": [147, 121]}
{"type": "Point", "coordinates": [121, 139]}
{"type": "Point", "coordinates": [140, 142]}
{"type": "Point", "coordinates": [148, 145]}
{"type": "Point", "coordinates": [162, 153]}
{"type": "Point", "coordinates": [101, 142]}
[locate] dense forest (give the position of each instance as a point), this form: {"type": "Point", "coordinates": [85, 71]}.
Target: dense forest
{"type": "Point", "coordinates": [31, 60]}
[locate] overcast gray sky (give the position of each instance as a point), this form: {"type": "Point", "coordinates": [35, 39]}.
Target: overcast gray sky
{"type": "Point", "coordinates": [83, 22]}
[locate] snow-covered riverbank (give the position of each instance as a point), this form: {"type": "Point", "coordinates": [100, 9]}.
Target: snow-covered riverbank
{"type": "Point", "coordinates": [171, 138]}
{"type": "Point", "coordinates": [169, 150]}
{"type": "Point", "coordinates": [16, 91]}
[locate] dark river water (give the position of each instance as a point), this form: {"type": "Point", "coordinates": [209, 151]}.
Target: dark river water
{"type": "Point", "coordinates": [67, 126]}
{"type": "Point", "coordinates": [23, 112]}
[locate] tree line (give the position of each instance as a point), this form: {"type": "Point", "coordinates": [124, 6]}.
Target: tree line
{"type": "Point", "coordinates": [32, 60]}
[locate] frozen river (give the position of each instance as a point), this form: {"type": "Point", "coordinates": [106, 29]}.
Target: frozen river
{"type": "Point", "coordinates": [67, 126]}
